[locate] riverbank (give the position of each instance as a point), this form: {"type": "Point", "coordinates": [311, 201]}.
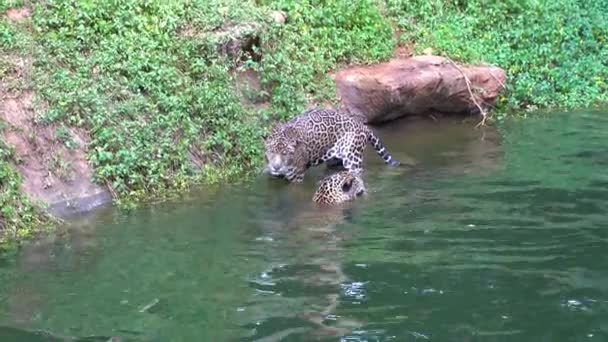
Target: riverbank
{"type": "Point", "coordinates": [137, 100]}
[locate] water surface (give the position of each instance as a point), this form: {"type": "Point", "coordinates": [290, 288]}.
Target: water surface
{"type": "Point", "coordinates": [482, 236]}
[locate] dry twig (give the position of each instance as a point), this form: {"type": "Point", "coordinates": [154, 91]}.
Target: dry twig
{"type": "Point", "coordinates": [109, 186]}
{"type": "Point", "coordinates": [483, 113]}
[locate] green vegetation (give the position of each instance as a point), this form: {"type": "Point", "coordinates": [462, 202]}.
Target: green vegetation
{"type": "Point", "coordinates": [18, 216]}
{"type": "Point", "coordinates": [148, 81]}
{"type": "Point", "coordinates": [154, 83]}
{"type": "Point", "coordinates": [555, 52]}
{"type": "Point", "coordinates": [319, 36]}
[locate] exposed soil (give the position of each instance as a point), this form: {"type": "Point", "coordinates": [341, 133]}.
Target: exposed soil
{"type": "Point", "coordinates": [53, 173]}
{"type": "Point", "coordinates": [18, 14]}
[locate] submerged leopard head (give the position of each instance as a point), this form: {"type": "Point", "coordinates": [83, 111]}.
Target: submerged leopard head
{"type": "Point", "coordinates": [339, 187]}
{"type": "Point", "coordinates": [285, 152]}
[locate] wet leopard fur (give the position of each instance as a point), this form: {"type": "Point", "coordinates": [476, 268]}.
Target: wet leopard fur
{"type": "Point", "coordinates": [339, 187]}
{"type": "Point", "coordinates": [317, 136]}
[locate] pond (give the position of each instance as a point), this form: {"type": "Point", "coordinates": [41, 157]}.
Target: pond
{"type": "Point", "coordinates": [482, 235]}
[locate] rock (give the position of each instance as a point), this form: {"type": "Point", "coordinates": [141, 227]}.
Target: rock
{"type": "Point", "coordinates": [18, 14]}
{"type": "Point", "coordinates": [414, 86]}
{"type": "Point", "coordinates": [428, 51]}
{"type": "Point", "coordinates": [234, 40]}
{"type": "Point", "coordinates": [279, 17]}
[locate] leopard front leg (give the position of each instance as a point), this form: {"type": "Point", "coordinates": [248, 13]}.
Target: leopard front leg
{"type": "Point", "coordinates": [315, 162]}
{"type": "Point", "coordinates": [296, 175]}
{"type": "Point", "coordinates": [298, 179]}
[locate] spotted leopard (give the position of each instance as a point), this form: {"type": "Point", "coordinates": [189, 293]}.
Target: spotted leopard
{"type": "Point", "coordinates": [339, 187]}
{"type": "Point", "coordinates": [317, 136]}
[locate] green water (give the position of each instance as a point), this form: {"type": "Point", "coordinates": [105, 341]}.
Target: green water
{"type": "Point", "coordinates": [485, 236]}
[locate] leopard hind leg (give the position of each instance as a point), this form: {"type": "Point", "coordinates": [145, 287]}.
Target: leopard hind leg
{"type": "Point", "coordinates": [351, 154]}
{"type": "Point", "coordinates": [334, 163]}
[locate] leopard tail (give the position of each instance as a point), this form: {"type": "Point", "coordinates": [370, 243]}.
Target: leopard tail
{"type": "Point", "coordinates": [381, 149]}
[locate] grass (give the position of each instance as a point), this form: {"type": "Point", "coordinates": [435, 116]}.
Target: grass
{"type": "Point", "coordinates": [154, 82]}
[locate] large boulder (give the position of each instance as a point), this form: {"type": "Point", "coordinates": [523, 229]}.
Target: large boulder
{"type": "Point", "coordinates": [415, 86]}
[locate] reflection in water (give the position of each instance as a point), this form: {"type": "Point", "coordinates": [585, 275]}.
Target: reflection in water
{"type": "Point", "coordinates": [314, 240]}
{"type": "Point", "coordinates": [69, 250]}
{"type": "Point", "coordinates": [480, 236]}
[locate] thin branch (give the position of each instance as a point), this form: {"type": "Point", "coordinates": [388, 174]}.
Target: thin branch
{"type": "Point", "coordinates": [483, 113]}
{"type": "Point", "coordinates": [497, 80]}
{"type": "Point", "coordinates": [109, 186]}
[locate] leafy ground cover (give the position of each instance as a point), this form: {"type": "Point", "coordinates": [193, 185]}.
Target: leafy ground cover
{"type": "Point", "coordinates": [155, 83]}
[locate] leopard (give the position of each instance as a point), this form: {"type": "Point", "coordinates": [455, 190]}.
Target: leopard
{"type": "Point", "coordinates": [339, 187]}
{"type": "Point", "coordinates": [311, 235]}
{"type": "Point", "coordinates": [318, 136]}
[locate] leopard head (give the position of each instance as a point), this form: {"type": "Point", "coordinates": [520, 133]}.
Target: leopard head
{"type": "Point", "coordinates": [339, 187]}
{"type": "Point", "coordinates": [285, 152]}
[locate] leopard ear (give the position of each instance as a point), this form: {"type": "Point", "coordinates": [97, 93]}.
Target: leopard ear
{"type": "Point", "coordinates": [270, 131]}
{"type": "Point", "coordinates": [292, 133]}
{"type": "Point", "coordinates": [347, 185]}
{"type": "Point", "coordinates": [276, 128]}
